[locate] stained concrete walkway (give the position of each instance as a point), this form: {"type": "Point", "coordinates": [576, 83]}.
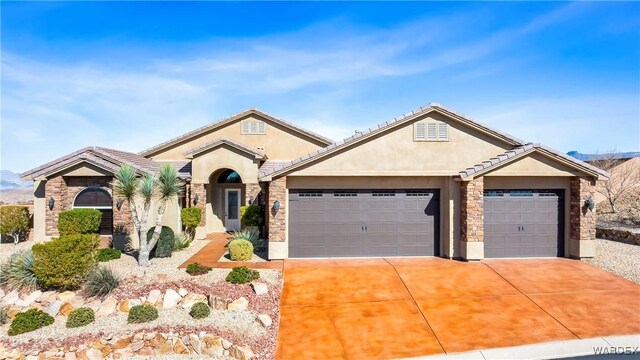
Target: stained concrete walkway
{"type": "Point", "coordinates": [405, 307]}
{"type": "Point", "coordinates": [211, 253]}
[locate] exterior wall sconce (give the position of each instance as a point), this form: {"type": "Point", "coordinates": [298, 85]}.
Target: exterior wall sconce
{"type": "Point", "coordinates": [590, 204]}
{"type": "Point", "coordinates": [51, 202]}
{"type": "Point", "coordinates": [276, 205]}
{"type": "Point", "coordinates": [119, 203]}
{"type": "Point", "coordinates": [251, 198]}
{"type": "Point", "coordinates": [196, 199]}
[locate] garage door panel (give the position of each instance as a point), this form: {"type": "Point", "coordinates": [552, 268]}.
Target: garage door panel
{"type": "Point", "coordinates": [523, 223]}
{"type": "Point", "coordinates": [365, 223]}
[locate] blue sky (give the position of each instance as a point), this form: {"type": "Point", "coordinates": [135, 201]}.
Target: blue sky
{"type": "Point", "coordinates": [130, 75]}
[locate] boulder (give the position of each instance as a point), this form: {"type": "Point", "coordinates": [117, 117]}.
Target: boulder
{"type": "Point", "coordinates": [66, 309]}
{"type": "Point", "coordinates": [11, 297]}
{"type": "Point", "coordinates": [180, 348]}
{"type": "Point", "coordinates": [241, 352]}
{"type": "Point", "coordinates": [48, 297]}
{"type": "Point", "coordinates": [154, 297]}
{"type": "Point", "coordinates": [260, 288]}
{"type": "Point", "coordinates": [70, 355]}
{"type": "Point", "coordinates": [214, 351]}
{"type": "Point", "coordinates": [122, 343]}
{"type": "Point", "coordinates": [54, 308]}
{"type": "Point", "coordinates": [166, 348]}
{"type": "Point", "coordinates": [240, 304]}
{"type": "Point", "coordinates": [66, 296]}
{"type": "Point", "coordinates": [171, 299]}
{"type": "Point", "coordinates": [107, 307]}
{"type": "Point", "coordinates": [94, 305]}
{"type": "Point", "coordinates": [226, 344]}
{"type": "Point", "coordinates": [145, 351]}
{"type": "Point", "coordinates": [265, 320]}
{"type": "Point", "coordinates": [137, 345]}
{"type": "Point", "coordinates": [212, 340]}
{"type": "Point", "coordinates": [191, 299]}
{"type": "Point", "coordinates": [218, 302]}
{"type": "Point", "coordinates": [195, 343]}
{"type": "Point", "coordinates": [93, 354]}
{"type": "Point", "coordinates": [183, 292]}
{"type": "Point", "coordinates": [29, 299]}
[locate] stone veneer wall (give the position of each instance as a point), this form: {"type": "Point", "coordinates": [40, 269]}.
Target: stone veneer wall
{"type": "Point", "coordinates": [276, 221]}
{"type": "Point", "coordinates": [252, 190]}
{"type": "Point", "coordinates": [64, 190]}
{"type": "Point", "coordinates": [201, 191]}
{"type": "Point", "coordinates": [472, 210]}
{"type": "Point", "coordinates": [582, 221]}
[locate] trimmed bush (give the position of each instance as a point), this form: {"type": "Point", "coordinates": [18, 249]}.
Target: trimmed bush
{"type": "Point", "coordinates": [181, 242]}
{"type": "Point", "coordinates": [63, 263]}
{"type": "Point", "coordinates": [17, 271]}
{"type": "Point", "coordinates": [142, 314]}
{"type": "Point", "coordinates": [249, 234]}
{"type": "Point", "coordinates": [164, 247]}
{"type": "Point", "coordinates": [197, 269]}
{"type": "Point", "coordinates": [240, 250]}
{"type": "Point", "coordinates": [251, 215]}
{"type": "Point", "coordinates": [242, 275]}
{"type": "Point", "coordinates": [80, 317]}
{"type": "Point", "coordinates": [4, 316]}
{"type": "Point", "coordinates": [101, 281]}
{"type": "Point", "coordinates": [200, 310]}
{"type": "Point", "coordinates": [14, 221]}
{"type": "Point", "coordinates": [191, 218]}
{"type": "Point", "coordinates": [108, 254]}
{"type": "Point", "coordinates": [30, 320]}
{"type": "Point", "coordinates": [79, 221]}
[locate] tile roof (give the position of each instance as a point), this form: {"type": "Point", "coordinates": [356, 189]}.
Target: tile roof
{"type": "Point", "coordinates": [521, 151]}
{"type": "Point", "coordinates": [230, 119]}
{"type": "Point", "coordinates": [269, 165]}
{"type": "Point", "coordinates": [290, 165]}
{"type": "Point", "coordinates": [220, 141]}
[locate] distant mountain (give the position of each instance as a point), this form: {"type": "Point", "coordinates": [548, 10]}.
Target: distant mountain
{"type": "Point", "coordinates": [10, 180]}
{"type": "Point", "coordinates": [590, 157]}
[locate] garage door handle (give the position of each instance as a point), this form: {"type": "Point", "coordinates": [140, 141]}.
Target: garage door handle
{"type": "Point", "coordinates": [366, 228]}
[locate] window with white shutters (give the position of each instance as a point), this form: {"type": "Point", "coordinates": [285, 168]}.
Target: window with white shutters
{"type": "Point", "coordinates": [253, 127]}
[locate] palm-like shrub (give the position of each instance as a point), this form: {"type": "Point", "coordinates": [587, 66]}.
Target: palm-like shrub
{"type": "Point", "coordinates": [240, 250]}
{"type": "Point", "coordinates": [101, 281]}
{"type": "Point", "coordinates": [249, 234]}
{"type": "Point", "coordinates": [17, 271]}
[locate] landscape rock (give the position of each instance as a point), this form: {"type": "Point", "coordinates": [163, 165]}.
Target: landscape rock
{"type": "Point", "coordinates": [94, 305]}
{"type": "Point", "coordinates": [93, 354]}
{"type": "Point", "coordinates": [265, 320]}
{"type": "Point", "coordinates": [107, 307]}
{"type": "Point", "coordinates": [154, 297]}
{"type": "Point", "coordinates": [241, 352]}
{"type": "Point", "coordinates": [240, 304]}
{"type": "Point", "coordinates": [183, 292]}
{"type": "Point", "coordinates": [66, 296]}
{"type": "Point", "coordinates": [29, 299]}
{"type": "Point", "coordinates": [218, 302]}
{"type": "Point", "coordinates": [137, 345]}
{"type": "Point", "coordinates": [191, 299]}
{"type": "Point", "coordinates": [180, 348]}
{"type": "Point", "coordinates": [11, 297]}
{"type": "Point", "coordinates": [195, 343]}
{"type": "Point", "coordinates": [66, 309]}
{"type": "Point", "coordinates": [212, 340]}
{"type": "Point", "coordinates": [260, 288]}
{"type": "Point", "coordinates": [171, 299]}
{"type": "Point", "coordinates": [54, 308]}
{"type": "Point", "coordinates": [226, 344]}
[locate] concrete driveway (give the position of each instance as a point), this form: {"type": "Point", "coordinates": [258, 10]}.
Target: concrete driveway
{"type": "Point", "coordinates": [405, 307]}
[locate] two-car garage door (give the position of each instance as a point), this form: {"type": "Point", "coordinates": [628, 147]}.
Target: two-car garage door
{"type": "Point", "coordinates": [358, 223]}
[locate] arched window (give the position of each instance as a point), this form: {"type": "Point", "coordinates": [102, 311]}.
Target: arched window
{"type": "Point", "coordinates": [229, 177]}
{"type": "Point", "coordinates": [96, 198]}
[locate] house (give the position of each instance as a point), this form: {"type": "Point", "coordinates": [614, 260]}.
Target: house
{"type": "Point", "coordinates": [430, 183]}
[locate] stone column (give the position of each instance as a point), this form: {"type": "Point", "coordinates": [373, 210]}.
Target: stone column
{"type": "Point", "coordinates": [57, 188]}
{"type": "Point", "coordinates": [201, 191]}
{"type": "Point", "coordinates": [252, 190]}
{"type": "Point", "coordinates": [472, 219]}
{"type": "Point", "coordinates": [582, 221]}
{"type": "Point", "coordinates": [277, 220]}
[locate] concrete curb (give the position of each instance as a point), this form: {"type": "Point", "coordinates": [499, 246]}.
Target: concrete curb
{"type": "Point", "coordinates": [609, 345]}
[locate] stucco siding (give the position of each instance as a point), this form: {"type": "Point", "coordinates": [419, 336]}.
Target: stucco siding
{"type": "Point", "coordinates": [224, 157]}
{"type": "Point", "coordinates": [534, 164]}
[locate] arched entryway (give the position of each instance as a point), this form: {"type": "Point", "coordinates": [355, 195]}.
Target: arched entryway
{"type": "Point", "coordinates": [99, 199]}
{"type": "Point", "coordinates": [224, 199]}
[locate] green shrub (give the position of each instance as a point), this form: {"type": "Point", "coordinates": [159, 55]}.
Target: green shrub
{"type": "Point", "coordinates": [242, 275]}
{"type": "Point", "coordinates": [79, 221]}
{"type": "Point", "coordinates": [164, 247]}
{"type": "Point", "coordinates": [107, 254]}
{"type": "Point", "coordinates": [181, 242]}
{"type": "Point", "coordinates": [199, 310]}
{"type": "Point", "coordinates": [142, 314]}
{"type": "Point", "coordinates": [14, 221]}
{"type": "Point", "coordinates": [191, 218]}
{"type": "Point", "coordinates": [30, 320]}
{"type": "Point", "coordinates": [251, 235]}
{"type": "Point", "coordinates": [251, 215]}
{"type": "Point", "coordinates": [80, 317]}
{"type": "Point", "coordinates": [17, 271]}
{"type": "Point", "coordinates": [240, 250]}
{"type": "Point", "coordinates": [197, 269]}
{"type": "Point", "coordinates": [100, 281]}
{"type": "Point", "coordinates": [4, 316]}
{"type": "Point", "coordinates": [63, 263]}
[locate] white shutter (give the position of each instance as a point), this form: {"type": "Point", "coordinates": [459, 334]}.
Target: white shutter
{"type": "Point", "coordinates": [421, 131]}
{"type": "Point", "coordinates": [260, 127]}
{"type": "Point", "coordinates": [431, 131]}
{"type": "Point", "coordinates": [245, 127]}
{"type": "Point", "coordinates": [443, 132]}
{"type": "Point", "coordinates": [254, 127]}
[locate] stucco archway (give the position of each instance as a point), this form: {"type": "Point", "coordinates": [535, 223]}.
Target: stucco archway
{"type": "Point", "coordinates": [225, 195]}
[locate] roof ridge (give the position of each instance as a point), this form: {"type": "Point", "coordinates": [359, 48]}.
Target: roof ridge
{"type": "Point", "coordinates": [223, 139]}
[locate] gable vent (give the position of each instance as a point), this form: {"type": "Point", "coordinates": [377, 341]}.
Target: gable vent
{"type": "Point", "coordinates": [431, 131]}
{"type": "Point", "coordinates": [253, 127]}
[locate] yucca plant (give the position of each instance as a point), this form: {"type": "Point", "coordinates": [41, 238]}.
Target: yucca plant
{"type": "Point", "coordinates": [4, 316]}
{"type": "Point", "coordinates": [17, 271]}
{"type": "Point", "coordinates": [251, 235]}
{"type": "Point", "coordinates": [180, 242]}
{"type": "Point", "coordinates": [101, 281]}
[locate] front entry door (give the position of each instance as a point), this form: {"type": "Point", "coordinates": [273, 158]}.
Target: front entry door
{"type": "Point", "coordinates": [232, 209]}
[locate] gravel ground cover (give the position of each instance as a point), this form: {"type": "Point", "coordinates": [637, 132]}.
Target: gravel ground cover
{"type": "Point", "coordinates": [619, 258]}
{"type": "Point", "coordinates": [6, 249]}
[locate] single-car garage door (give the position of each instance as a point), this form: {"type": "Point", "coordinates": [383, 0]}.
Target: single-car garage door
{"type": "Point", "coordinates": [523, 223]}
{"type": "Point", "coordinates": [353, 223]}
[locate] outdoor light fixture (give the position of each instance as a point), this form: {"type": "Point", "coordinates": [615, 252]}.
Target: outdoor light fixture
{"type": "Point", "coordinates": [119, 203]}
{"type": "Point", "coordinates": [195, 199]}
{"type": "Point", "coordinates": [251, 198]}
{"type": "Point", "coordinates": [590, 204]}
{"type": "Point", "coordinates": [51, 202]}
{"type": "Point", "coordinates": [276, 205]}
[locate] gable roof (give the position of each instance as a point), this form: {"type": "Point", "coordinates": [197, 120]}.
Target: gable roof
{"type": "Point", "coordinates": [522, 151]}
{"type": "Point", "coordinates": [107, 159]}
{"type": "Point", "coordinates": [231, 119]}
{"type": "Point", "coordinates": [359, 137]}
{"type": "Point", "coordinates": [223, 141]}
